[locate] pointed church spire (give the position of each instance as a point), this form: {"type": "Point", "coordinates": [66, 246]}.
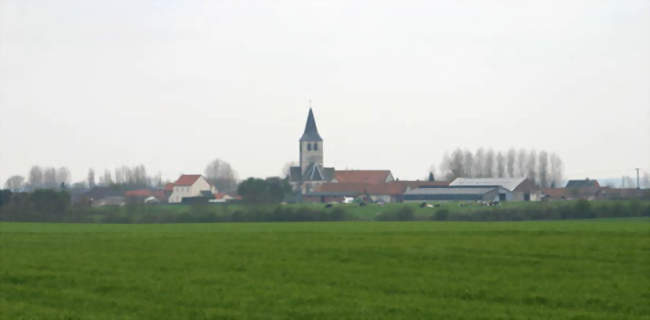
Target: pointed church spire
{"type": "Point", "coordinates": [311, 132]}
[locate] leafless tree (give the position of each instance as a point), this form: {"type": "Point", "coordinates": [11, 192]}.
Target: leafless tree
{"type": "Point", "coordinates": [543, 172]}
{"type": "Point", "coordinates": [501, 165]}
{"type": "Point", "coordinates": [531, 166]}
{"type": "Point", "coordinates": [511, 162]}
{"type": "Point", "coordinates": [489, 164]}
{"type": "Point", "coordinates": [522, 159]}
{"type": "Point", "coordinates": [556, 171]}
{"type": "Point", "coordinates": [456, 164]}
{"type": "Point", "coordinates": [221, 175]}
{"type": "Point", "coordinates": [36, 177]}
{"type": "Point", "coordinates": [445, 166]}
{"type": "Point", "coordinates": [106, 179]}
{"type": "Point", "coordinates": [468, 164]}
{"type": "Point", "coordinates": [49, 178]}
{"type": "Point", "coordinates": [62, 176]}
{"type": "Point", "coordinates": [478, 168]}
{"type": "Point", "coordinates": [286, 169]}
{"type": "Point", "coordinates": [15, 183]}
{"type": "Point", "coordinates": [91, 178]}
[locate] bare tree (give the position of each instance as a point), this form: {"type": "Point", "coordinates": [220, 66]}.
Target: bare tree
{"type": "Point", "coordinates": [468, 164]}
{"type": "Point", "coordinates": [91, 178]}
{"type": "Point", "coordinates": [445, 166]}
{"type": "Point", "coordinates": [531, 166]}
{"type": "Point", "coordinates": [543, 173]}
{"type": "Point", "coordinates": [49, 178]}
{"type": "Point", "coordinates": [489, 164]}
{"type": "Point", "coordinates": [511, 162]}
{"type": "Point", "coordinates": [522, 160]}
{"type": "Point", "coordinates": [456, 164]}
{"type": "Point", "coordinates": [286, 169]}
{"type": "Point", "coordinates": [501, 165]}
{"type": "Point", "coordinates": [645, 181]}
{"type": "Point", "coordinates": [15, 183]}
{"type": "Point", "coordinates": [36, 177]}
{"type": "Point", "coordinates": [221, 175]}
{"type": "Point", "coordinates": [62, 176]}
{"type": "Point", "coordinates": [557, 169]}
{"type": "Point", "coordinates": [106, 179]}
{"type": "Point", "coordinates": [478, 168]}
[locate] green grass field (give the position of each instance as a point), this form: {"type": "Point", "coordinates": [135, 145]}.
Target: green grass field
{"type": "Point", "coordinates": [588, 269]}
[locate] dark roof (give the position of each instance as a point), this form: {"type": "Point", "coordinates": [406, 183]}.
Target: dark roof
{"type": "Point", "coordinates": [586, 183]}
{"type": "Point", "coordinates": [450, 193]}
{"type": "Point", "coordinates": [311, 132]}
{"type": "Point", "coordinates": [313, 172]}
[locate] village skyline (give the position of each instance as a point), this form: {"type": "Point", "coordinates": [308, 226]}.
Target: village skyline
{"type": "Point", "coordinates": [174, 86]}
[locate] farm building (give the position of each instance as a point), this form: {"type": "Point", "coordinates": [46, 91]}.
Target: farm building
{"type": "Point", "coordinates": [190, 186]}
{"type": "Point", "coordinates": [460, 193]}
{"type": "Point", "coordinates": [374, 192]}
{"type": "Point", "coordinates": [511, 189]}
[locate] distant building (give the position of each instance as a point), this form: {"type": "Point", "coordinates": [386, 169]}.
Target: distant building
{"type": "Point", "coordinates": [189, 187]}
{"type": "Point", "coordinates": [363, 176]}
{"type": "Point", "coordinates": [310, 172]}
{"type": "Point", "coordinates": [581, 184]}
{"type": "Point", "coordinates": [460, 193]}
{"type": "Point", "coordinates": [512, 189]}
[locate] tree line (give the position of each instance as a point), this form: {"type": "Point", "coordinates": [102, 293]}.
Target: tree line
{"type": "Point", "coordinates": [543, 168]}
{"type": "Point", "coordinates": [218, 172]}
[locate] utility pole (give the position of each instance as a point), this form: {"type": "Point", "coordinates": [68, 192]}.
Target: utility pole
{"type": "Point", "coordinates": [638, 186]}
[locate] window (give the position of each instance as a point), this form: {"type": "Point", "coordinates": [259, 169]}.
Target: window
{"type": "Point", "coordinates": [309, 147]}
{"type": "Point", "coordinates": [316, 146]}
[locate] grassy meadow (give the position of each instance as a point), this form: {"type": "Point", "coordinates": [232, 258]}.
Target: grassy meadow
{"type": "Point", "coordinates": [572, 269]}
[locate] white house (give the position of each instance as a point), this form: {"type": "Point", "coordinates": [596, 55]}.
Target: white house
{"type": "Point", "coordinates": [190, 185]}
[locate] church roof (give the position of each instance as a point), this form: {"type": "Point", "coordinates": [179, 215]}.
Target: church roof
{"type": "Point", "coordinates": [313, 172]}
{"type": "Point", "coordinates": [311, 132]}
{"type": "Point", "coordinates": [363, 176]}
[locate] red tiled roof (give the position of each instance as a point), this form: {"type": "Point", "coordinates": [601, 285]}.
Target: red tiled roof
{"type": "Point", "coordinates": [187, 179]}
{"type": "Point", "coordinates": [417, 184]}
{"type": "Point", "coordinates": [555, 192]}
{"type": "Point", "coordinates": [169, 187]}
{"type": "Point", "coordinates": [361, 176]}
{"type": "Point", "coordinates": [138, 193]}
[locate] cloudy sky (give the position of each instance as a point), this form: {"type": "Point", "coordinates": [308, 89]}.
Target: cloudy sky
{"type": "Point", "coordinates": [394, 84]}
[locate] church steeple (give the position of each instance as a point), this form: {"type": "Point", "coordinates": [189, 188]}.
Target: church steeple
{"type": "Point", "coordinates": [311, 132]}
{"type": "Point", "coordinates": [311, 146]}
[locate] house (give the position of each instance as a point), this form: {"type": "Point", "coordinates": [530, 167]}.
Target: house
{"type": "Point", "coordinates": [189, 187]}
{"type": "Point", "coordinates": [581, 184]}
{"type": "Point", "coordinates": [583, 189]}
{"type": "Point", "coordinates": [555, 194]}
{"type": "Point", "coordinates": [511, 189]}
{"type": "Point", "coordinates": [141, 195]}
{"type": "Point", "coordinates": [458, 193]}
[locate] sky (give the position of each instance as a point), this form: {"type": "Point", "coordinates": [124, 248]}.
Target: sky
{"type": "Point", "coordinates": [393, 84]}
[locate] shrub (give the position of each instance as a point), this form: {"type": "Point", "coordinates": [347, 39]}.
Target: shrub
{"type": "Point", "coordinates": [440, 214]}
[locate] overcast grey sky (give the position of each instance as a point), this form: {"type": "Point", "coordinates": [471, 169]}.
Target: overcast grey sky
{"type": "Point", "coordinates": [394, 84]}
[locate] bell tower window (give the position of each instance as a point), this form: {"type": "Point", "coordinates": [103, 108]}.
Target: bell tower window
{"type": "Point", "coordinates": [316, 146]}
{"type": "Point", "coordinates": [309, 147]}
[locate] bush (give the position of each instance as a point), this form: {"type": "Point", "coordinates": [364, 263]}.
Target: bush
{"type": "Point", "coordinates": [404, 213]}
{"type": "Point", "coordinates": [440, 214]}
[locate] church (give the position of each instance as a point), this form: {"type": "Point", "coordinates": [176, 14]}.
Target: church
{"type": "Point", "coordinates": [310, 172]}
{"type": "Point", "coordinates": [316, 182]}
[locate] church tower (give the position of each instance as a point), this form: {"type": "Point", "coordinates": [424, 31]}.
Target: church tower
{"type": "Point", "coordinates": [311, 145]}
